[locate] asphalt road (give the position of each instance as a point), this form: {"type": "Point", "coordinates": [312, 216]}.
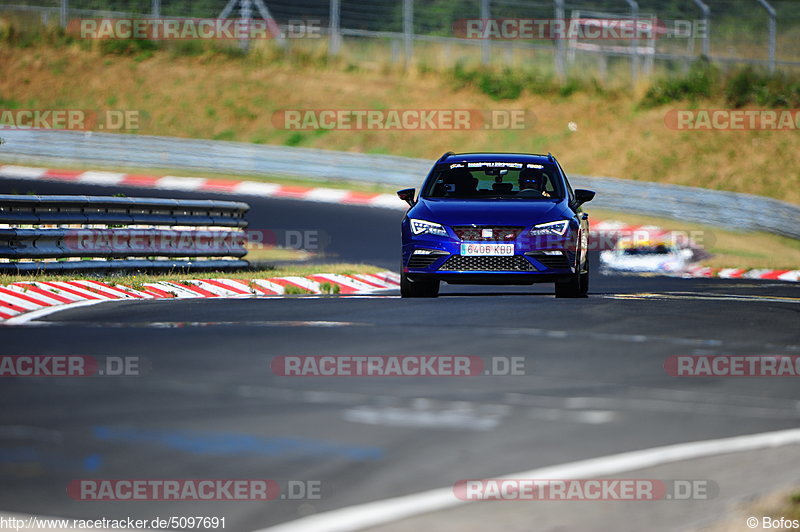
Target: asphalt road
{"type": "Point", "coordinates": [208, 405]}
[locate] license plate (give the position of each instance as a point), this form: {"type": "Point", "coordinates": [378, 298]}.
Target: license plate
{"type": "Point", "coordinates": [487, 250]}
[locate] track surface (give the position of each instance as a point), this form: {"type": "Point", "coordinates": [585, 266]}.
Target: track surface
{"type": "Point", "coordinates": [209, 406]}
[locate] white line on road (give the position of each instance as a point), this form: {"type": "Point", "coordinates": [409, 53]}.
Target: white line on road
{"type": "Point", "coordinates": [388, 510]}
{"type": "Point", "coordinates": [41, 313]}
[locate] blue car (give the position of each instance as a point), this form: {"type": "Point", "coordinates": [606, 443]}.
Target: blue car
{"type": "Point", "coordinates": [497, 219]}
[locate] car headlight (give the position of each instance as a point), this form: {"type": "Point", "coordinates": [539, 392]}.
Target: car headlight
{"type": "Point", "coordinates": [419, 227]}
{"type": "Point", "coordinates": [550, 228]}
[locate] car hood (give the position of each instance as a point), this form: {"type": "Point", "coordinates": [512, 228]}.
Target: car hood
{"type": "Point", "coordinates": [490, 212]}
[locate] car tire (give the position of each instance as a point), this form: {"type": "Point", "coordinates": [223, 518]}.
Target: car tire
{"type": "Point", "coordinates": [409, 288]}
{"type": "Point", "coordinates": [576, 286]}
{"type": "Point", "coordinates": [570, 288]}
{"type": "Point", "coordinates": [585, 280]}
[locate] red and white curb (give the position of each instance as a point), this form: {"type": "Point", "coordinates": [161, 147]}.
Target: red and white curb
{"type": "Point", "coordinates": [740, 273]}
{"type": "Point", "coordinates": [201, 184]}
{"type": "Point", "coordinates": [337, 196]}
{"type": "Point", "coordinates": [19, 300]}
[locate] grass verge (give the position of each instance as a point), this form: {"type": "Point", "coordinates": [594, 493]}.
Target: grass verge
{"type": "Point", "coordinates": [782, 503]}
{"type": "Point", "coordinates": [792, 510]}
{"type": "Point", "coordinates": [592, 131]}
{"type": "Point", "coordinates": [270, 254]}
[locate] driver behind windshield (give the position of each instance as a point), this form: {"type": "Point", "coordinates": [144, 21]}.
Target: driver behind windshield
{"type": "Point", "coordinates": [533, 179]}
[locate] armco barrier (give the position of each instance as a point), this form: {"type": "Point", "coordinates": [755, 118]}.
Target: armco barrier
{"type": "Point", "coordinates": [121, 233]}
{"type": "Point", "coordinates": [723, 209]}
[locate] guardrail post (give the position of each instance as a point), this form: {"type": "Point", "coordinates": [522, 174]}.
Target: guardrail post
{"type": "Point", "coordinates": [561, 71]}
{"type": "Point", "coordinates": [246, 18]}
{"type": "Point", "coordinates": [571, 37]}
{"type": "Point", "coordinates": [635, 43]}
{"type": "Point", "coordinates": [649, 59]}
{"type": "Point", "coordinates": [408, 30]}
{"type": "Point", "coordinates": [64, 13]}
{"type": "Point", "coordinates": [707, 23]}
{"type": "Point", "coordinates": [334, 37]}
{"type": "Point", "coordinates": [689, 54]}
{"type": "Point", "coordinates": [272, 24]}
{"type": "Point", "coordinates": [486, 44]}
{"type": "Point", "coordinates": [772, 31]}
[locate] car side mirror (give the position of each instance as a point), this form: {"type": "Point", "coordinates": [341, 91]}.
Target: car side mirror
{"type": "Point", "coordinates": [407, 195]}
{"type": "Point", "coordinates": [582, 196]}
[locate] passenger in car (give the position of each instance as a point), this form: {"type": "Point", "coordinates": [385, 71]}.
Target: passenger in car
{"type": "Point", "coordinates": [461, 183]}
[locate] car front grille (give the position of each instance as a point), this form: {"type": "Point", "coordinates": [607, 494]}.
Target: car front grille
{"type": "Point", "coordinates": [513, 263]}
{"type": "Point", "coordinates": [554, 262]}
{"type": "Point", "coordinates": [500, 233]}
{"type": "Point", "coordinates": [423, 261]}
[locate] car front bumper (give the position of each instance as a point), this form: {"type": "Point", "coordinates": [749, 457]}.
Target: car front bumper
{"type": "Point", "coordinates": [534, 260]}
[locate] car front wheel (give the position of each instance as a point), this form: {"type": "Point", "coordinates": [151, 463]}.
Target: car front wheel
{"type": "Point", "coordinates": [576, 286]}
{"type": "Point", "coordinates": [409, 288]}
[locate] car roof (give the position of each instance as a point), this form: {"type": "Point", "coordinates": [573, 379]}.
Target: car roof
{"type": "Point", "coordinates": [496, 157]}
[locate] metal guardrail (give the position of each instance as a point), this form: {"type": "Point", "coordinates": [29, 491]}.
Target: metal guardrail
{"type": "Point", "coordinates": [123, 233]}
{"type": "Point", "coordinates": [730, 210]}
{"type": "Point", "coordinates": [74, 147]}
{"type": "Point", "coordinates": [711, 207]}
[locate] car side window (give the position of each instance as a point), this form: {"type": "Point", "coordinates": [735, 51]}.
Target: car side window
{"type": "Point", "coordinates": [549, 186]}
{"type": "Point", "coordinates": [566, 182]}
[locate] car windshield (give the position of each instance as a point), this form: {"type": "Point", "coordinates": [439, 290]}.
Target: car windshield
{"type": "Point", "coordinates": [524, 181]}
{"type": "Point", "coordinates": [659, 249]}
